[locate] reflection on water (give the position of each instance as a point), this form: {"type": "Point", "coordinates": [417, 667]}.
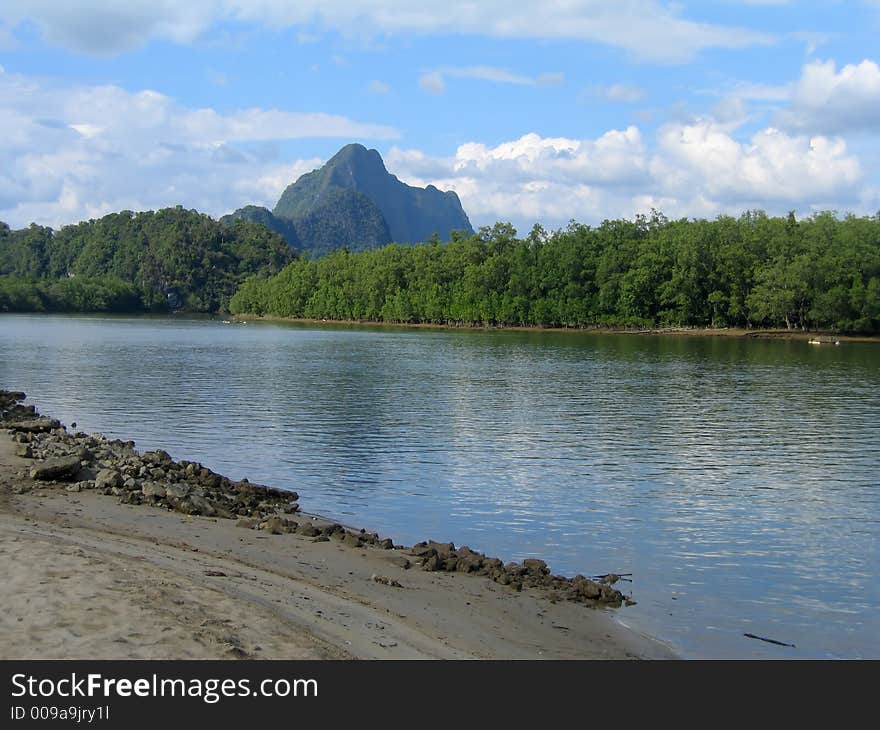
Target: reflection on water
{"type": "Point", "coordinates": [737, 480]}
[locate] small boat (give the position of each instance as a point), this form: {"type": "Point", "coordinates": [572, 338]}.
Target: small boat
{"type": "Point", "coordinates": [824, 341]}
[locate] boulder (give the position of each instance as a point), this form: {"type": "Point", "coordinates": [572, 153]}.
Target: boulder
{"type": "Point", "coordinates": [35, 425]}
{"type": "Point", "coordinates": [153, 490]}
{"type": "Point", "coordinates": [177, 491]}
{"type": "Point", "coordinates": [62, 467]}
{"type": "Point", "coordinates": [198, 505]}
{"type": "Point", "coordinates": [535, 567]}
{"type": "Point", "coordinates": [587, 588]}
{"type": "Point", "coordinates": [108, 478]}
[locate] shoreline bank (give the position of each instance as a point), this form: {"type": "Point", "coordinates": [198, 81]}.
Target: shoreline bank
{"type": "Point", "coordinates": [176, 542]}
{"type": "Point", "coordinates": [733, 333]}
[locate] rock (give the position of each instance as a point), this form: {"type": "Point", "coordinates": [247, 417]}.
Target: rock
{"type": "Point", "coordinates": [177, 491]}
{"type": "Point", "coordinates": [198, 505]}
{"type": "Point", "coordinates": [153, 490]}
{"type": "Point", "coordinates": [386, 581]}
{"type": "Point", "coordinates": [432, 563]}
{"type": "Point", "coordinates": [387, 544]}
{"type": "Point", "coordinates": [308, 531]}
{"type": "Point", "coordinates": [588, 588]}
{"type": "Point", "coordinates": [158, 457]}
{"type": "Point", "coordinates": [131, 484]}
{"type": "Point", "coordinates": [247, 523]}
{"type": "Point", "coordinates": [535, 567]}
{"type": "Point", "coordinates": [470, 563]}
{"type": "Point", "coordinates": [352, 540]}
{"type": "Point", "coordinates": [108, 478]}
{"type": "Point", "coordinates": [24, 451]}
{"type": "Point", "coordinates": [62, 467]}
{"type": "Point", "coordinates": [73, 487]}
{"type": "Point", "coordinates": [35, 425]}
{"type": "Point", "coordinates": [274, 526]}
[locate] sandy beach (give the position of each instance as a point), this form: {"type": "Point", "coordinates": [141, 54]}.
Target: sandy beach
{"type": "Point", "coordinates": [87, 575]}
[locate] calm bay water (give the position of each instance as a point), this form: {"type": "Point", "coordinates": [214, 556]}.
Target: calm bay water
{"type": "Point", "coordinates": [739, 481]}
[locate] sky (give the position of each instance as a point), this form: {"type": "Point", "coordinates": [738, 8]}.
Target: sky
{"type": "Point", "coordinates": [532, 112]}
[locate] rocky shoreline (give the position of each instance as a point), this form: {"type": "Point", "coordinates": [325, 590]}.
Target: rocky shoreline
{"type": "Point", "coordinates": [79, 461]}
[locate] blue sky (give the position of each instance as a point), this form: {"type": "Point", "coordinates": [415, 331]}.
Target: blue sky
{"type": "Point", "coordinates": [532, 112]}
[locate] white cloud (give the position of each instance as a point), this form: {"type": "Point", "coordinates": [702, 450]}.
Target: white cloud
{"type": "Point", "coordinates": [432, 83]}
{"type": "Point", "coordinates": [835, 102]}
{"type": "Point", "coordinates": [772, 168]}
{"type": "Point", "coordinates": [378, 87]}
{"type": "Point", "coordinates": [648, 29]}
{"type": "Point", "coordinates": [692, 169]}
{"type": "Point", "coordinates": [499, 75]}
{"type": "Point", "coordinates": [66, 154]}
{"type": "Point", "coordinates": [626, 93]}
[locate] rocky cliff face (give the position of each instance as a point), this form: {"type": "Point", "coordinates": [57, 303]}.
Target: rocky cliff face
{"type": "Point", "coordinates": [354, 201]}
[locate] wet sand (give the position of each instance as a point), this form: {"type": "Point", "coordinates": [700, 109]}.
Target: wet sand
{"type": "Point", "coordinates": [86, 576]}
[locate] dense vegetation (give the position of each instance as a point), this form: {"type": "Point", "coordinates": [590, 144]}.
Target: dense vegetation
{"type": "Point", "coordinates": [756, 270]}
{"type": "Point", "coordinates": [125, 262]}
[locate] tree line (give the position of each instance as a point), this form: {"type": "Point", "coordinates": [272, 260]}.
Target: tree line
{"type": "Point", "coordinates": [128, 262]}
{"type": "Point", "coordinates": [822, 272]}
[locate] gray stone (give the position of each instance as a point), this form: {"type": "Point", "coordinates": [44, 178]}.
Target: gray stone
{"type": "Point", "coordinates": [153, 490]}
{"type": "Point", "coordinates": [535, 567]}
{"type": "Point", "coordinates": [63, 467]}
{"type": "Point", "coordinates": [200, 506]}
{"type": "Point", "coordinates": [178, 491]}
{"type": "Point", "coordinates": [35, 425]}
{"type": "Point", "coordinates": [108, 478]}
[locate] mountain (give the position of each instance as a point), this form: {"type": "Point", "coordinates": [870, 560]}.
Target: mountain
{"type": "Point", "coordinates": [354, 201]}
{"type": "Point", "coordinates": [264, 216]}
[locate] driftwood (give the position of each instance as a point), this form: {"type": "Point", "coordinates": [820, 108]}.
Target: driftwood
{"type": "Point", "coordinates": [770, 641]}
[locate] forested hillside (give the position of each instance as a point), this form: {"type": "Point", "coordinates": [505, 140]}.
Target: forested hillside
{"type": "Point", "coordinates": [751, 271]}
{"type": "Point", "coordinates": [153, 261]}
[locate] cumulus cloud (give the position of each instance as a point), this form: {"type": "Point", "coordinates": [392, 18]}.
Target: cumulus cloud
{"type": "Point", "coordinates": [67, 154]}
{"type": "Point", "coordinates": [771, 168]}
{"type": "Point", "coordinates": [835, 102]}
{"type": "Point", "coordinates": [648, 29]}
{"type": "Point", "coordinates": [691, 169]}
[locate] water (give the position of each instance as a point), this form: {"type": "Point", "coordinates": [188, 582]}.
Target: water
{"type": "Point", "coordinates": [737, 480]}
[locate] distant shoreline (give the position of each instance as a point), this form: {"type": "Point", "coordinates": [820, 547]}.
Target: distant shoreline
{"type": "Point", "coordinates": [732, 332]}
